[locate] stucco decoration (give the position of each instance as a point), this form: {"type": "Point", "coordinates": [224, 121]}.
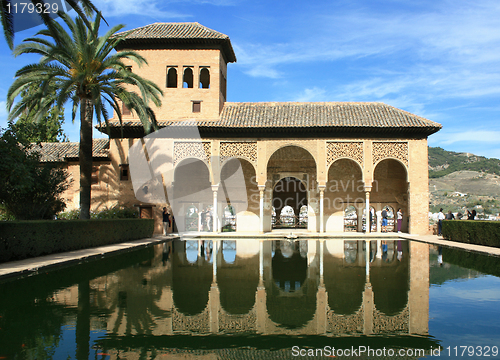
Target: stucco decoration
{"type": "Point", "coordinates": [190, 149]}
{"type": "Point", "coordinates": [239, 149]}
{"type": "Point", "coordinates": [390, 149]}
{"type": "Point", "coordinates": [345, 149]}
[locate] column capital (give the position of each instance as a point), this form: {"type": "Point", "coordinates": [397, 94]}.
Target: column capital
{"type": "Point", "coordinates": [368, 188]}
{"type": "Point", "coordinates": [321, 187]}
{"type": "Point", "coordinates": [262, 187]}
{"type": "Point", "coordinates": [215, 187]}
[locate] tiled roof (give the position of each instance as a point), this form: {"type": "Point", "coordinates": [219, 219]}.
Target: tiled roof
{"type": "Point", "coordinates": [177, 33]}
{"type": "Point", "coordinates": [326, 114]}
{"type": "Point", "coordinates": [59, 152]}
{"type": "Point", "coordinates": [284, 116]}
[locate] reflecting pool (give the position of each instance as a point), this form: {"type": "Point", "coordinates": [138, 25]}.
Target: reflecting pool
{"type": "Point", "coordinates": [259, 299]}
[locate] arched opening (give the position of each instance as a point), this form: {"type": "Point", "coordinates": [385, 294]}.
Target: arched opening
{"type": "Point", "coordinates": [204, 78]}
{"type": "Point", "coordinates": [188, 78]}
{"type": "Point", "coordinates": [344, 194]}
{"type": "Point", "coordinates": [239, 207]}
{"type": "Point", "coordinates": [289, 196]}
{"type": "Point", "coordinates": [373, 219]}
{"type": "Point", "coordinates": [172, 77]}
{"type": "Point", "coordinates": [191, 218]}
{"type": "Point", "coordinates": [389, 210]}
{"type": "Point", "coordinates": [350, 219]}
{"type": "Point", "coordinates": [291, 171]}
{"type": "Point", "coordinates": [390, 188]}
{"type": "Point", "coordinates": [229, 219]}
{"type": "Point", "coordinates": [191, 192]}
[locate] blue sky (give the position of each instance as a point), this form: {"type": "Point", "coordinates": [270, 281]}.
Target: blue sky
{"type": "Point", "coordinates": [439, 59]}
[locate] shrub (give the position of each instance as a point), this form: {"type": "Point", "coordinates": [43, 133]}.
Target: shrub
{"type": "Point", "coordinates": [116, 212]}
{"type": "Point", "coordinates": [23, 239]}
{"type": "Point", "coordinates": [473, 232]}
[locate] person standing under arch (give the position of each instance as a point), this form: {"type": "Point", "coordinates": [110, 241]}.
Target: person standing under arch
{"type": "Point", "coordinates": [399, 219]}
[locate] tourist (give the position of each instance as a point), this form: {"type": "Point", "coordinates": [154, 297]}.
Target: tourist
{"type": "Point", "coordinates": [384, 220]}
{"type": "Point", "coordinates": [460, 215]}
{"type": "Point", "coordinates": [166, 221]}
{"type": "Point", "coordinates": [400, 219]}
{"type": "Point", "coordinates": [450, 216]}
{"type": "Point", "coordinates": [400, 250]}
{"type": "Point", "coordinates": [441, 217]}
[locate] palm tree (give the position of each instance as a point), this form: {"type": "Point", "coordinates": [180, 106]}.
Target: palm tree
{"type": "Point", "coordinates": [79, 66]}
{"type": "Point", "coordinates": [7, 16]}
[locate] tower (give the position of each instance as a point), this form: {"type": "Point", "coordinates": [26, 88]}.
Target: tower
{"type": "Point", "coordinates": [188, 61]}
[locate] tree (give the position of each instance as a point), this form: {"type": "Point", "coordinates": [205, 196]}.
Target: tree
{"type": "Point", "coordinates": [7, 16]}
{"type": "Point", "coordinates": [78, 66]}
{"type": "Point", "coordinates": [47, 129]}
{"type": "Point", "coordinates": [28, 190]}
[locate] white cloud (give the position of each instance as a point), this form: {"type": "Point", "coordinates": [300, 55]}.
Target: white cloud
{"type": "Point", "coordinates": [149, 8]}
{"type": "Point", "coordinates": [312, 95]}
{"type": "Point", "coordinates": [482, 136]}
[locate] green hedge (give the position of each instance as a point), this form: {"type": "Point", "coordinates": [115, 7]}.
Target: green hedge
{"type": "Point", "coordinates": [472, 232]}
{"type": "Point", "coordinates": [23, 239]}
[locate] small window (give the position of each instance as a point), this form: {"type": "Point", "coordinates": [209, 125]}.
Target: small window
{"type": "Point", "coordinates": [125, 110]}
{"type": "Point", "coordinates": [124, 173]}
{"type": "Point", "coordinates": [172, 77]}
{"type": "Point", "coordinates": [94, 178]}
{"type": "Point", "coordinates": [196, 106]}
{"type": "Point", "coordinates": [188, 78]}
{"type": "Point", "coordinates": [205, 78]}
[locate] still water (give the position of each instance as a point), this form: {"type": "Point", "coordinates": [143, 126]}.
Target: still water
{"type": "Point", "coordinates": [251, 299]}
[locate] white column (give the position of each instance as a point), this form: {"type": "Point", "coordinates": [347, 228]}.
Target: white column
{"type": "Point", "coordinates": [321, 208]}
{"type": "Point", "coordinates": [367, 210]}
{"type": "Point", "coordinates": [262, 188]}
{"type": "Point", "coordinates": [215, 218]}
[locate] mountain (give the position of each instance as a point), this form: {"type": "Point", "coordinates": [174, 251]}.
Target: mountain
{"type": "Point", "coordinates": [460, 181]}
{"type": "Point", "coordinates": [443, 162]}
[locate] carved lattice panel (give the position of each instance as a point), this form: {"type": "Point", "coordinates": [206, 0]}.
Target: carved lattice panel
{"type": "Point", "coordinates": [390, 149]}
{"type": "Point", "coordinates": [190, 149]}
{"type": "Point", "coordinates": [244, 149]}
{"type": "Point", "coordinates": [345, 149]}
{"type": "Point", "coordinates": [345, 324]}
{"type": "Point", "coordinates": [199, 323]}
{"type": "Point", "coordinates": [399, 323]}
{"type": "Point", "coordinates": [228, 322]}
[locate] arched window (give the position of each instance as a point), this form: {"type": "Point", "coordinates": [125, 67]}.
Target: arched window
{"type": "Point", "coordinates": [188, 78]}
{"type": "Point", "coordinates": [350, 219]}
{"type": "Point", "coordinates": [172, 77]}
{"type": "Point", "coordinates": [204, 78]}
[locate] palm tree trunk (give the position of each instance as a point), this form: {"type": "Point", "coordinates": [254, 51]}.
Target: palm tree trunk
{"type": "Point", "coordinates": [85, 156]}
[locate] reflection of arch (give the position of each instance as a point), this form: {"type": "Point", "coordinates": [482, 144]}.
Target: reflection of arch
{"type": "Point", "coordinates": [391, 297]}
{"type": "Point", "coordinates": [191, 251]}
{"type": "Point", "coordinates": [291, 298]}
{"type": "Point", "coordinates": [345, 284]}
{"type": "Point", "coordinates": [238, 285]}
{"type": "Point", "coordinates": [190, 283]}
{"type": "Point", "coordinates": [229, 251]}
{"type": "Point", "coordinates": [350, 219]}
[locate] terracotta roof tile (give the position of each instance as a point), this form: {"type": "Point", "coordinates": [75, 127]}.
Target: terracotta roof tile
{"type": "Point", "coordinates": [59, 152]}
{"type": "Point", "coordinates": [176, 33]}
{"type": "Point", "coordinates": [331, 116]}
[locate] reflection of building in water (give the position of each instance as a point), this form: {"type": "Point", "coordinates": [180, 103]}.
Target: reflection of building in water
{"type": "Point", "coordinates": [305, 287]}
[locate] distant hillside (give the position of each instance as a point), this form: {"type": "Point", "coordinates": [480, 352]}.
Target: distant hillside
{"type": "Point", "coordinates": [443, 162]}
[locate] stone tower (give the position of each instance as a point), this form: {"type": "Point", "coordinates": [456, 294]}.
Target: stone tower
{"type": "Point", "coordinates": [188, 61]}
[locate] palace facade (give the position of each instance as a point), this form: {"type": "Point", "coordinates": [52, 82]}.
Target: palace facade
{"type": "Point", "coordinates": [254, 167]}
